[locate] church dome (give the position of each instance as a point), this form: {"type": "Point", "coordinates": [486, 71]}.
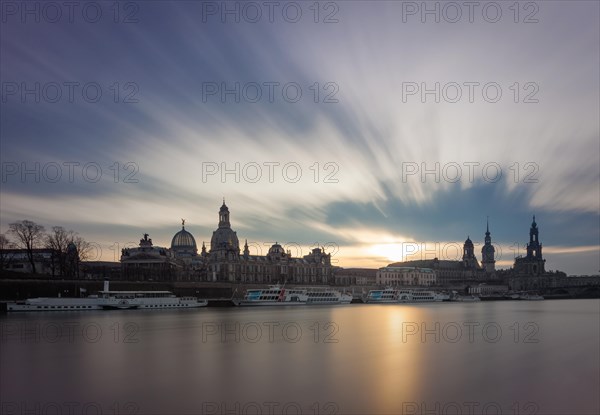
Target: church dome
{"type": "Point", "coordinates": [468, 241]}
{"type": "Point", "coordinates": [276, 249]}
{"type": "Point", "coordinates": [183, 240]}
{"type": "Point", "coordinates": [276, 252]}
{"type": "Point", "coordinates": [224, 238]}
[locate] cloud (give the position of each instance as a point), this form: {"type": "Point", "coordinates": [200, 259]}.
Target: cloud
{"type": "Point", "coordinates": [358, 185]}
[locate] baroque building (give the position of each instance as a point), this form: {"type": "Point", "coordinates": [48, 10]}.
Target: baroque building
{"type": "Point", "coordinates": [150, 263]}
{"type": "Point", "coordinates": [412, 276]}
{"type": "Point", "coordinates": [224, 262]}
{"type": "Point", "coordinates": [529, 271]}
{"type": "Point", "coordinates": [469, 260]}
{"type": "Point", "coordinates": [488, 252]}
{"type": "Point", "coordinates": [448, 272]}
{"type": "Point", "coordinates": [532, 263]}
{"type": "Point", "coordinates": [183, 244]}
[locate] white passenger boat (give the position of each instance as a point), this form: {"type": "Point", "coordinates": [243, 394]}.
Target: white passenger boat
{"type": "Point", "coordinates": [107, 299]}
{"type": "Point", "coordinates": [280, 295]}
{"type": "Point", "coordinates": [391, 295]}
{"type": "Point", "coordinates": [274, 295]}
{"type": "Point", "coordinates": [123, 300]}
{"type": "Point", "coordinates": [324, 295]}
{"type": "Point", "coordinates": [56, 304]}
{"type": "Point", "coordinates": [388, 295]}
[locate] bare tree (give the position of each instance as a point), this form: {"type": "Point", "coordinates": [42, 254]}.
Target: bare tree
{"type": "Point", "coordinates": [58, 241]}
{"type": "Point", "coordinates": [70, 249]}
{"type": "Point", "coordinates": [29, 236]}
{"type": "Point", "coordinates": [5, 257]}
{"type": "Point", "coordinates": [84, 248]}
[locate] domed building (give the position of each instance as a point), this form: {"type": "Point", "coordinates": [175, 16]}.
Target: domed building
{"type": "Point", "coordinates": [469, 259]}
{"type": "Point", "coordinates": [454, 271]}
{"type": "Point", "coordinates": [224, 244]}
{"type": "Point", "coordinates": [183, 243]}
{"type": "Point", "coordinates": [149, 263]}
{"type": "Point", "coordinates": [276, 252]}
{"type": "Point", "coordinates": [225, 263]}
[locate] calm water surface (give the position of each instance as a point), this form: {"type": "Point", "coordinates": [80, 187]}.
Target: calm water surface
{"type": "Point", "coordinates": [495, 357]}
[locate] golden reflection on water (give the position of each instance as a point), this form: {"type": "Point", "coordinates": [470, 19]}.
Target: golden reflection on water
{"type": "Point", "coordinates": [379, 370]}
{"type": "Point", "coordinates": [354, 356]}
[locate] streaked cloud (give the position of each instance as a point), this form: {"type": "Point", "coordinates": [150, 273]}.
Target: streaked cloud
{"type": "Point", "coordinates": [370, 136]}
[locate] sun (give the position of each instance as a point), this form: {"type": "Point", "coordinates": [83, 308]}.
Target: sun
{"type": "Point", "coordinates": [390, 251]}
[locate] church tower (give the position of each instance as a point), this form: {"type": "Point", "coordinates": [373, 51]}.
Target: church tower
{"type": "Point", "coordinates": [533, 263]}
{"type": "Point", "coordinates": [224, 216]}
{"type": "Point", "coordinates": [246, 250]}
{"type": "Point", "coordinates": [469, 259]}
{"type": "Point", "coordinates": [488, 252]}
{"type": "Point", "coordinates": [534, 247]}
{"type": "Point", "coordinates": [224, 249]}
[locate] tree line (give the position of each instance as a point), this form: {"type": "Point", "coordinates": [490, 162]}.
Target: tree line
{"type": "Point", "coordinates": [66, 245]}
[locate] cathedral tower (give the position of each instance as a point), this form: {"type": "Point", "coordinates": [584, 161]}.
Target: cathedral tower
{"type": "Point", "coordinates": [533, 263]}
{"type": "Point", "coordinates": [488, 252]}
{"type": "Point", "coordinates": [469, 259]}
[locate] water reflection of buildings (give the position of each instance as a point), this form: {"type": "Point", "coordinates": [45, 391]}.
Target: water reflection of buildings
{"type": "Point", "coordinates": [223, 262]}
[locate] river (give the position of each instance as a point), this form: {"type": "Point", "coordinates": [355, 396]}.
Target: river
{"type": "Point", "coordinates": [508, 357]}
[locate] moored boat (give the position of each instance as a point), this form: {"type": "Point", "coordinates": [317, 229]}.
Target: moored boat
{"type": "Point", "coordinates": [107, 300]}
{"type": "Point", "coordinates": [391, 295]}
{"type": "Point", "coordinates": [276, 295]}
{"type": "Point", "coordinates": [273, 295]}
{"type": "Point", "coordinates": [319, 295]}
{"type": "Point", "coordinates": [56, 304]}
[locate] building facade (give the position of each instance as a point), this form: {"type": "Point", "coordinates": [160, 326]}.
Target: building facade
{"type": "Point", "coordinates": [46, 261]}
{"type": "Point", "coordinates": [532, 264]}
{"type": "Point", "coordinates": [529, 272]}
{"type": "Point", "coordinates": [150, 263]}
{"type": "Point", "coordinates": [224, 262]}
{"type": "Point", "coordinates": [414, 276]}
{"type": "Point", "coordinates": [355, 276]}
{"type": "Point", "coordinates": [466, 270]}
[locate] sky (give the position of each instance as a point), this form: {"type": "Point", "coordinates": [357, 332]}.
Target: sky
{"type": "Point", "coordinates": [380, 130]}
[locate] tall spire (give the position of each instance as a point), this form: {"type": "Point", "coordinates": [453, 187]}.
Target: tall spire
{"type": "Point", "coordinates": [534, 247]}
{"type": "Point", "coordinates": [488, 251]}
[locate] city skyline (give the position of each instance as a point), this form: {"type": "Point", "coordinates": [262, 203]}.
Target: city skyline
{"type": "Point", "coordinates": [300, 207]}
{"type": "Point", "coordinates": [377, 158]}
{"type": "Point", "coordinates": [384, 253]}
